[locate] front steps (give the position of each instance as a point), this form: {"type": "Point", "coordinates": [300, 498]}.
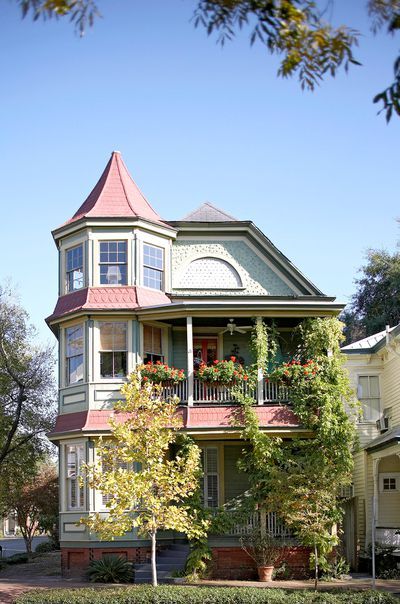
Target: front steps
{"type": "Point", "coordinates": [168, 560]}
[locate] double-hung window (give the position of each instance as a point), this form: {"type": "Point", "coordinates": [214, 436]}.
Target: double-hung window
{"type": "Point", "coordinates": [113, 349]}
{"type": "Point", "coordinates": [75, 490]}
{"type": "Point", "coordinates": [369, 397]}
{"type": "Point", "coordinates": [152, 337]}
{"type": "Point", "coordinates": [74, 268]}
{"type": "Point", "coordinates": [153, 266]}
{"type": "Point", "coordinates": [113, 263]}
{"type": "Point", "coordinates": [74, 354]}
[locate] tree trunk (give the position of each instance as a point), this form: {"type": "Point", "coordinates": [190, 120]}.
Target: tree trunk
{"type": "Point", "coordinates": [153, 559]}
{"type": "Point", "coordinates": [315, 566]}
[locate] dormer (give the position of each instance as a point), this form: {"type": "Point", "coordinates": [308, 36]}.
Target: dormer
{"type": "Point", "coordinates": [115, 238]}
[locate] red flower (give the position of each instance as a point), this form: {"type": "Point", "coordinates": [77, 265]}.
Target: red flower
{"type": "Point", "coordinates": [245, 377]}
{"type": "Point", "coordinates": [233, 359]}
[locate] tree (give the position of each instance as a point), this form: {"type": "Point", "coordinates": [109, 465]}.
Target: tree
{"type": "Point", "coordinates": [27, 392]}
{"type": "Point", "coordinates": [295, 29]}
{"type": "Point", "coordinates": [146, 488]}
{"type": "Point", "coordinates": [376, 302]}
{"type": "Point", "coordinates": [32, 493]}
{"type": "Point", "coordinates": [300, 478]}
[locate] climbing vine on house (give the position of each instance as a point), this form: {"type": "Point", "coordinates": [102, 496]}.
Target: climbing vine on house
{"type": "Point", "coordinates": [300, 478]}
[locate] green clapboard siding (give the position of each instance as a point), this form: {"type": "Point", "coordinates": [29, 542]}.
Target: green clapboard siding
{"type": "Point", "coordinates": [179, 354]}
{"type": "Point", "coordinates": [240, 342]}
{"type": "Point", "coordinates": [236, 482]}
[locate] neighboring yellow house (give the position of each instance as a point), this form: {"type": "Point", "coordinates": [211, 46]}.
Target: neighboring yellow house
{"type": "Point", "coordinates": [374, 366]}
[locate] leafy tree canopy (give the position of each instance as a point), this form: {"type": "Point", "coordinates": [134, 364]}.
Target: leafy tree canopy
{"type": "Point", "coordinates": [296, 30]}
{"type": "Point", "coordinates": [376, 302]}
{"type": "Point", "coordinates": [27, 391]}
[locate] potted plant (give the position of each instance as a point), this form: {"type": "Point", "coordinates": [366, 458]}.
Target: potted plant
{"type": "Point", "coordinates": [222, 373]}
{"type": "Point", "coordinates": [264, 550]}
{"type": "Point", "coordinates": [159, 373]}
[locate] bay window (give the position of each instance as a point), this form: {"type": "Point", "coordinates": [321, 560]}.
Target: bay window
{"type": "Point", "coordinates": [153, 266]}
{"type": "Point", "coordinates": [113, 349]}
{"type": "Point", "coordinates": [74, 354]}
{"type": "Point", "coordinates": [152, 344]}
{"type": "Point", "coordinates": [75, 457]}
{"type": "Point", "coordinates": [74, 268]}
{"type": "Point", "coordinates": [113, 263]}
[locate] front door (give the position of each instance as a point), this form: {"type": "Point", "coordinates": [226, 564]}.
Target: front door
{"type": "Point", "coordinates": [204, 351]}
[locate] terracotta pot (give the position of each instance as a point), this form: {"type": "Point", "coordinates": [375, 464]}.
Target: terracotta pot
{"type": "Point", "coordinates": [265, 573]}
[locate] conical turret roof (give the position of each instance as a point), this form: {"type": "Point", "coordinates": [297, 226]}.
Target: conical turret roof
{"type": "Point", "coordinates": [116, 195]}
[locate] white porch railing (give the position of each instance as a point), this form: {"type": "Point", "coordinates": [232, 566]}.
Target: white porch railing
{"type": "Point", "coordinates": [211, 394]}
{"type": "Point", "coordinates": [269, 520]}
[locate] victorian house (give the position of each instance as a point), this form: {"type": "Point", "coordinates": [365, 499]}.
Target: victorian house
{"type": "Point", "coordinates": [135, 287]}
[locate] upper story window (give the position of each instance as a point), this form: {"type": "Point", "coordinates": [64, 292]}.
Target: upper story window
{"type": "Point", "coordinates": [75, 490]}
{"type": "Point", "coordinates": [113, 349]}
{"type": "Point", "coordinates": [74, 354]}
{"type": "Point", "coordinates": [74, 268]}
{"type": "Point", "coordinates": [369, 397]}
{"type": "Point", "coordinates": [152, 345]}
{"type": "Point", "coordinates": [153, 266]}
{"type": "Point", "coordinates": [113, 263]}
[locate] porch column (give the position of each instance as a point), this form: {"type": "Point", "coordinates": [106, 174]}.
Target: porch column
{"type": "Point", "coordinates": [375, 501]}
{"type": "Point", "coordinates": [189, 341]}
{"type": "Point", "coordinates": [260, 377]}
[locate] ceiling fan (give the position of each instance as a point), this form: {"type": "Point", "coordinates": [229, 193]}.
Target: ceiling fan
{"type": "Point", "coordinates": [231, 328]}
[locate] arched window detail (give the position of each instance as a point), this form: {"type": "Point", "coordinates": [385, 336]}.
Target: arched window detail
{"type": "Point", "coordinates": [210, 273]}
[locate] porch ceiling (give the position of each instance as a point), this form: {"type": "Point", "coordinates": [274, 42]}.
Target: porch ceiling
{"type": "Point", "coordinates": [283, 322]}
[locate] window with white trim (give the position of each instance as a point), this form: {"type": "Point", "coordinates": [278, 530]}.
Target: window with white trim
{"type": "Point", "coordinates": [113, 349]}
{"type": "Point", "coordinates": [389, 483]}
{"type": "Point", "coordinates": [209, 483]}
{"type": "Point", "coordinates": [74, 268]}
{"type": "Point", "coordinates": [152, 344]}
{"type": "Point", "coordinates": [75, 457]}
{"type": "Point", "coordinates": [119, 466]}
{"type": "Point", "coordinates": [369, 396]}
{"type": "Point", "coordinates": [113, 263]}
{"type": "Point", "coordinates": [74, 354]}
{"type": "Point", "coordinates": [153, 266]}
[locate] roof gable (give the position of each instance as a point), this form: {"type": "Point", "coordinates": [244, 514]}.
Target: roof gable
{"type": "Point", "coordinates": [207, 212]}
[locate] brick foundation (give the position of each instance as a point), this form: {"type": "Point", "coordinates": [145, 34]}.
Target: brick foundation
{"type": "Point", "coordinates": [75, 560]}
{"type": "Point", "coordinates": [234, 563]}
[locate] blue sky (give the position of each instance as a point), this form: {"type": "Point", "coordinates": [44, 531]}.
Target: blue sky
{"type": "Point", "coordinates": [318, 173]}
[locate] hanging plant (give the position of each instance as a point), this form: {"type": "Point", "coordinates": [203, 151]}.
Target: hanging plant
{"type": "Point", "coordinates": [294, 372]}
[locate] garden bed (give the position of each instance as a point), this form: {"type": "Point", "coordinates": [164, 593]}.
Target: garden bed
{"type": "Point", "coordinates": [166, 594]}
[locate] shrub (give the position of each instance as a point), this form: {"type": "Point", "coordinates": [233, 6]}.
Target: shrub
{"type": "Point", "coordinates": [111, 569]}
{"type": "Point", "coordinates": [45, 547]}
{"type": "Point", "coordinates": [167, 594]}
{"type": "Point", "coordinates": [17, 559]}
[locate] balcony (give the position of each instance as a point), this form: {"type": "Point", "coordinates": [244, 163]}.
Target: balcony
{"type": "Point", "coordinates": [206, 394]}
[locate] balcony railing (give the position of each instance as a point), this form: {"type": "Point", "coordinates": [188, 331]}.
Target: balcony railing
{"type": "Point", "coordinates": [214, 394]}
{"type": "Point", "coordinates": [267, 521]}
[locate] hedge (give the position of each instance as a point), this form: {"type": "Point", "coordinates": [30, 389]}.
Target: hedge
{"type": "Point", "coordinates": [168, 594]}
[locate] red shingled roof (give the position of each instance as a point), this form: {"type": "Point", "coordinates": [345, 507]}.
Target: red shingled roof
{"type": "Point", "coordinates": [193, 417]}
{"type": "Point", "coordinates": [116, 195]}
{"type": "Point", "coordinates": [108, 298]}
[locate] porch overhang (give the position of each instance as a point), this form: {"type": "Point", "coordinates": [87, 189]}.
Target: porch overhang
{"type": "Point", "coordinates": [388, 439]}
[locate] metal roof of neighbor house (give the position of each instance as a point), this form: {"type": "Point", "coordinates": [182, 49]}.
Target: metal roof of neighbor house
{"type": "Point", "coordinates": [385, 440]}
{"type": "Point", "coordinates": [108, 298]}
{"type": "Point", "coordinates": [370, 344]}
{"type": "Point", "coordinates": [116, 195]}
{"type": "Point", "coordinates": [207, 212]}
